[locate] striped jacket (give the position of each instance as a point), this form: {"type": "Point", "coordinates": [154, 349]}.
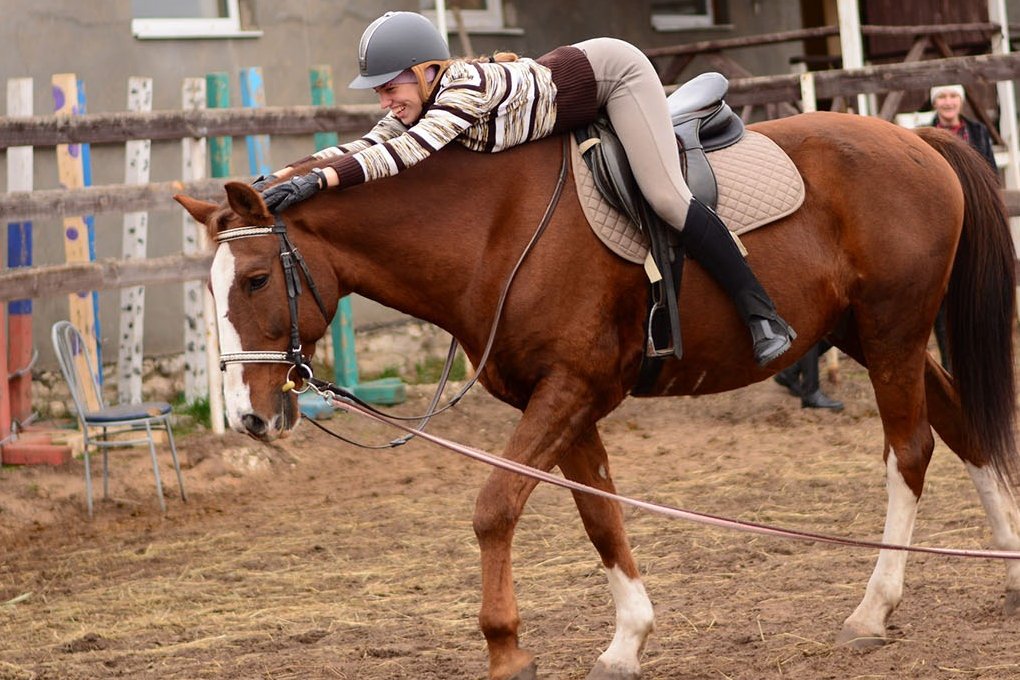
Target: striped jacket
{"type": "Point", "coordinates": [486, 107]}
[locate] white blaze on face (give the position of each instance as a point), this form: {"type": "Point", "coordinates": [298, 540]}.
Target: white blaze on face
{"type": "Point", "coordinates": [235, 392]}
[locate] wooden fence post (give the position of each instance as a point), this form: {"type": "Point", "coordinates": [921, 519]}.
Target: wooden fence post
{"type": "Point", "coordinates": [90, 225]}
{"type": "Point", "coordinates": [134, 245]}
{"type": "Point", "coordinates": [5, 392]}
{"type": "Point", "coordinates": [253, 96]}
{"type": "Point", "coordinates": [220, 150]}
{"type": "Point", "coordinates": [193, 152]}
{"type": "Point", "coordinates": [217, 96]}
{"type": "Point", "coordinates": [321, 81]}
{"type": "Point", "coordinates": [77, 239]}
{"type": "Point", "coordinates": [16, 394]}
{"type": "Point", "coordinates": [345, 366]}
{"type": "Point", "coordinates": [345, 359]}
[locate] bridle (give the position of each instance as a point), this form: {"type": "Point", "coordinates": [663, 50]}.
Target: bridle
{"type": "Point", "coordinates": [291, 259]}
{"type": "Point", "coordinates": [292, 262]}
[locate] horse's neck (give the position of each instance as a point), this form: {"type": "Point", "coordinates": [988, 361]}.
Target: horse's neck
{"type": "Point", "coordinates": [432, 241]}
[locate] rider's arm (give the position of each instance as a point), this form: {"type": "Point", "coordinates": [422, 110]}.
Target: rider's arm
{"type": "Point", "coordinates": [457, 106]}
{"type": "Point", "coordinates": [387, 128]}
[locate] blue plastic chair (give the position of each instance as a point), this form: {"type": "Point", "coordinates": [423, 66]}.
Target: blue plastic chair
{"type": "Point", "coordinates": [76, 365]}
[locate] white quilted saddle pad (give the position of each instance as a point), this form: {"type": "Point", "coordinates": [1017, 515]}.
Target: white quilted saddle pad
{"type": "Point", "coordinates": [758, 184]}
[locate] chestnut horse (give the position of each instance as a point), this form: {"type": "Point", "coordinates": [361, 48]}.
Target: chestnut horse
{"type": "Point", "coordinates": [893, 222]}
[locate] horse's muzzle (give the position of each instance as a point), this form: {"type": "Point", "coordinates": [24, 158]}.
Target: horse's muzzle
{"type": "Point", "coordinates": [255, 426]}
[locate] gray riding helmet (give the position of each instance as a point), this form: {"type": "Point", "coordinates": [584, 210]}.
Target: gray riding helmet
{"type": "Point", "coordinates": [394, 42]}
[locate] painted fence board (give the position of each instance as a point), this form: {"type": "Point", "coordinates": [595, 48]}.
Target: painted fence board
{"type": "Point", "coordinates": [71, 172]}
{"type": "Point", "coordinates": [321, 81]}
{"type": "Point", "coordinates": [217, 96]}
{"type": "Point", "coordinates": [220, 151]}
{"type": "Point", "coordinates": [134, 246]}
{"type": "Point", "coordinates": [253, 96]}
{"type": "Point", "coordinates": [193, 160]}
{"type": "Point", "coordinates": [345, 358]}
{"type": "Point", "coordinates": [16, 350]}
{"type": "Point", "coordinates": [90, 229]}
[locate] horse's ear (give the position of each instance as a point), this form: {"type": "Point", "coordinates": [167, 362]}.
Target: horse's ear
{"type": "Point", "coordinates": [200, 210]}
{"type": "Point", "coordinates": [248, 203]}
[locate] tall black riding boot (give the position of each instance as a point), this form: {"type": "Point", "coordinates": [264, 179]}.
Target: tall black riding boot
{"type": "Point", "coordinates": [706, 239]}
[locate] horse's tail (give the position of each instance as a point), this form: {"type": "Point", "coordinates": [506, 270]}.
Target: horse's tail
{"type": "Point", "coordinates": [980, 306]}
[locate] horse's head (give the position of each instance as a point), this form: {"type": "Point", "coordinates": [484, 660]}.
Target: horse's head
{"type": "Point", "coordinates": [258, 274]}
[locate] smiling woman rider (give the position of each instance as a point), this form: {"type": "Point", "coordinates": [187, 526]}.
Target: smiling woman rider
{"type": "Point", "coordinates": [495, 103]}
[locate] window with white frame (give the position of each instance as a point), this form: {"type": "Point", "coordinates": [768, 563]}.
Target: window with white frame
{"type": "Point", "coordinates": [478, 15]}
{"type": "Point", "coordinates": [187, 19]}
{"type": "Point", "coordinates": [675, 15]}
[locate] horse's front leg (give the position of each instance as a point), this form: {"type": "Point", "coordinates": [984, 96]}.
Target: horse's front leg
{"type": "Point", "coordinates": [587, 463]}
{"type": "Point", "coordinates": [550, 424]}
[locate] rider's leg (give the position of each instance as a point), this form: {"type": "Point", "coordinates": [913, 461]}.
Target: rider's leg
{"type": "Point", "coordinates": [632, 95]}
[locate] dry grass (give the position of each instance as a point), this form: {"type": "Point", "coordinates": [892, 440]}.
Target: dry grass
{"type": "Point", "coordinates": [345, 564]}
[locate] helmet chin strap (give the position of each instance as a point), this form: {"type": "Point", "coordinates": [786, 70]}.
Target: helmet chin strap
{"type": "Point", "coordinates": [427, 85]}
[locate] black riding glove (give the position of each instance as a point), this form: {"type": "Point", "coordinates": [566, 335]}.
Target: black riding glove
{"type": "Point", "coordinates": [260, 182]}
{"type": "Point", "coordinates": [285, 194]}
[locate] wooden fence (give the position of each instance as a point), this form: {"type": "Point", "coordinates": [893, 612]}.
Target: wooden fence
{"type": "Point", "coordinates": [671, 61]}
{"type": "Point", "coordinates": [113, 128]}
{"type": "Point", "coordinates": [106, 128]}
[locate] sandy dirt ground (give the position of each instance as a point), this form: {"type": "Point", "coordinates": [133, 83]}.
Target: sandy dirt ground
{"type": "Point", "coordinates": [313, 559]}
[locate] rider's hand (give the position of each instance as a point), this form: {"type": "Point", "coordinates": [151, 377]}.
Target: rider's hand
{"type": "Point", "coordinates": [260, 182]}
{"type": "Point", "coordinates": [285, 194]}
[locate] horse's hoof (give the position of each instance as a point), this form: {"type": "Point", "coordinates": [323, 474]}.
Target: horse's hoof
{"type": "Point", "coordinates": [603, 671]}
{"type": "Point", "coordinates": [529, 672]}
{"type": "Point", "coordinates": [858, 638]}
{"type": "Point", "coordinates": [1012, 607]}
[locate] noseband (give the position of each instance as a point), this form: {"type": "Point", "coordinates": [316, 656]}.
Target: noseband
{"type": "Point", "coordinates": [291, 261]}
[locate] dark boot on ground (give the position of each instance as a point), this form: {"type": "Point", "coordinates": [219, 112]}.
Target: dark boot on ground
{"type": "Point", "coordinates": [707, 240]}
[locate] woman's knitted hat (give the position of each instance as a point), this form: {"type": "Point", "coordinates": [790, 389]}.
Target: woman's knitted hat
{"type": "Point", "coordinates": [939, 89]}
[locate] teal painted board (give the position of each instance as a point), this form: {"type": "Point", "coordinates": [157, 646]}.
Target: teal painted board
{"type": "Point", "coordinates": [217, 96]}
{"type": "Point", "coordinates": [253, 96]}
{"type": "Point", "coordinates": [321, 80]}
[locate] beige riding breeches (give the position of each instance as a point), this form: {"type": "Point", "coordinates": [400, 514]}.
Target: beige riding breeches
{"type": "Point", "coordinates": [629, 90]}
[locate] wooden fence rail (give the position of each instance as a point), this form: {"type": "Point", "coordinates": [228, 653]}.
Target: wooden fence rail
{"type": "Point", "coordinates": [119, 198]}
{"type": "Point", "coordinates": [36, 282]}
{"type": "Point", "coordinates": [815, 32]}
{"type": "Point", "coordinates": [100, 128]}
{"type": "Point", "coordinates": [920, 75]}
{"type": "Point", "coordinates": [106, 128]}
{"type": "Point", "coordinates": [121, 127]}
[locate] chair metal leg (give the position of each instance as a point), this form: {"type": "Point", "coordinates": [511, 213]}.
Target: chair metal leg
{"type": "Point", "coordinates": [106, 467]}
{"type": "Point", "coordinates": [155, 467]}
{"type": "Point", "coordinates": [88, 482]}
{"type": "Point", "coordinates": [106, 473]}
{"type": "Point", "coordinates": [173, 454]}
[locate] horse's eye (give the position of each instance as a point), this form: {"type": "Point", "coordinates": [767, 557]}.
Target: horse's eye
{"type": "Point", "coordinates": [257, 282]}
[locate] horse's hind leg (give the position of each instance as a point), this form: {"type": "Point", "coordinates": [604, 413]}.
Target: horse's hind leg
{"type": "Point", "coordinates": [587, 463]}
{"type": "Point", "coordinates": [999, 503]}
{"type": "Point", "coordinates": [899, 392]}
